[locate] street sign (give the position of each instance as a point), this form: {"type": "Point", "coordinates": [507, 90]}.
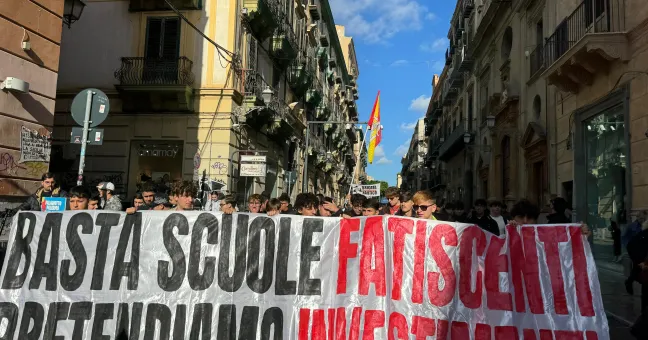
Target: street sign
{"type": "Point", "coordinates": [253, 159]}
{"type": "Point", "coordinates": [98, 112]}
{"type": "Point", "coordinates": [252, 166]}
{"type": "Point", "coordinates": [95, 136]}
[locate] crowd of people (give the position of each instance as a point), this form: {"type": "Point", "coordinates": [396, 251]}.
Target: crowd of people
{"type": "Point", "coordinates": [490, 216]}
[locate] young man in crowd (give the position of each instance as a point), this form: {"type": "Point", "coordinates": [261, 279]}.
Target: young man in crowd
{"type": "Point", "coordinates": [48, 189]}
{"type": "Point", "coordinates": [138, 201]}
{"type": "Point", "coordinates": [79, 197]}
{"type": "Point", "coordinates": [228, 204]}
{"type": "Point", "coordinates": [93, 203]}
{"type": "Point", "coordinates": [214, 202]}
{"type": "Point", "coordinates": [371, 207]}
{"type": "Point", "coordinates": [424, 205]}
{"type": "Point", "coordinates": [393, 201]}
{"type": "Point", "coordinates": [148, 198]}
{"type": "Point", "coordinates": [254, 204]}
{"type": "Point", "coordinates": [496, 215]}
{"type": "Point", "coordinates": [273, 207]}
{"type": "Point", "coordinates": [112, 201]}
{"type": "Point", "coordinates": [184, 195]}
{"type": "Point", "coordinates": [307, 204]}
{"type": "Point", "coordinates": [480, 218]}
{"type": "Point", "coordinates": [459, 212]}
{"type": "Point", "coordinates": [285, 204]}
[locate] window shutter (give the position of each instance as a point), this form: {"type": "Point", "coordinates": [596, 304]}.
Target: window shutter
{"type": "Point", "coordinates": [153, 38]}
{"type": "Point", "coordinates": [171, 38]}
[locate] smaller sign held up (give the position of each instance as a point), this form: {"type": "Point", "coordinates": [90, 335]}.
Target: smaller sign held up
{"type": "Point", "coordinates": [252, 166]}
{"type": "Point", "coordinates": [52, 204]}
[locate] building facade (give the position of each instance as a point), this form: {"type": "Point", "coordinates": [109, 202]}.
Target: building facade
{"type": "Point", "coordinates": [541, 99]}
{"type": "Point", "coordinates": [29, 51]}
{"type": "Point", "coordinates": [414, 174]}
{"type": "Point", "coordinates": [194, 91]}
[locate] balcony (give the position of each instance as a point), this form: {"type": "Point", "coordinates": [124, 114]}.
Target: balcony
{"type": "Point", "coordinates": [154, 85]}
{"type": "Point", "coordinates": [300, 76]}
{"type": "Point", "coordinates": [585, 44]}
{"type": "Point", "coordinates": [323, 36]}
{"type": "Point", "coordinates": [468, 7]}
{"type": "Point", "coordinates": [453, 144]}
{"type": "Point", "coordinates": [284, 44]}
{"type": "Point", "coordinates": [437, 110]}
{"type": "Point", "coordinates": [449, 94]}
{"type": "Point", "coordinates": [314, 9]}
{"type": "Point", "coordinates": [536, 61]}
{"type": "Point", "coordinates": [448, 58]}
{"type": "Point", "coordinates": [160, 5]}
{"type": "Point", "coordinates": [263, 17]}
{"type": "Point", "coordinates": [465, 62]}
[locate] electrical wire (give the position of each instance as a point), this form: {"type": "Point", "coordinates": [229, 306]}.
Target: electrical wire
{"type": "Point", "coordinates": [220, 49]}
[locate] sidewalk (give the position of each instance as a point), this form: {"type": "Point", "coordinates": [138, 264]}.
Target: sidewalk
{"type": "Point", "coordinates": [618, 304]}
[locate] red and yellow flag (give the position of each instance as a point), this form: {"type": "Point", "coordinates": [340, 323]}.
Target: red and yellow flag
{"type": "Point", "coordinates": [376, 129]}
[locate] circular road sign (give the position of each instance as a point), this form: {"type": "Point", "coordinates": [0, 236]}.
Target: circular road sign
{"type": "Point", "coordinates": [98, 111]}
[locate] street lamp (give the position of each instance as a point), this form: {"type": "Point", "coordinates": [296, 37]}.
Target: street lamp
{"type": "Point", "coordinates": [72, 10]}
{"type": "Point", "coordinates": [490, 121]}
{"type": "Point", "coordinates": [466, 137]}
{"type": "Point", "coordinates": [266, 95]}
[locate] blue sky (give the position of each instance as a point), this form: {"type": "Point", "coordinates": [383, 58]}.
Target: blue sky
{"type": "Point", "coordinates": [399, 44]}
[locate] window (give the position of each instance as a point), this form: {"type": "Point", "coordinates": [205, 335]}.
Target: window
{"type": "Point", "coordinates": [507, 43]}
{"type": "Point", "coordinates": [539, 33]}
{"type": "Point", "coordinates": [161, 50]}
{"type": "Point", "coordinates": [506, 166]}
{"type": "Point", "coordinates": [162, 38]}
{"type": "Point", "coordinates": [483, 96]}
{"type": "Point", "coordinates": [470, 113]}
{"type": "Point", "coordinates": [537, 108]}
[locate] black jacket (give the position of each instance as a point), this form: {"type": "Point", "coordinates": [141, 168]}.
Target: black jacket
{"type": "Point", "coordinates": [486, 223]}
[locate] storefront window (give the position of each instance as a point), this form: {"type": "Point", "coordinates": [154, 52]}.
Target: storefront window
{"type": "Point", "coordinates": [605, 158]}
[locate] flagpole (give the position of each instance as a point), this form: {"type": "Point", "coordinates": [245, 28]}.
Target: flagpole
{"type": "Point", "coordinates": [355, 169]}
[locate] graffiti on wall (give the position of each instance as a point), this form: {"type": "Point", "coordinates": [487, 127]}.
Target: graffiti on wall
{"type": "Point", "coordinates": [9, 165]}
{"type": "Point", "coordinates": [220, 167]}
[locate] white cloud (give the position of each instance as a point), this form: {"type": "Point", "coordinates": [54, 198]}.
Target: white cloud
{"type": "Point", "coordinates": [379, 151]}
{"type": "Point", "coordinates": [401, 150]}
{"type": "Point", "coordinates": [407, 127]}
{"type": "Point", "coordinates": [430, 16]}
{"type": "Point", "coordinates": [383, 160]}
{"type": "Point", "coordinates": [420, 104]}
{"type": "Point", "coordinates": [376, 21]}
{"type": "Point", "coordinates": [400, 62]}
{"type": "Point", "coordinates": [372, 63]}
{"type": "Point", "coordinates": [436, 46]}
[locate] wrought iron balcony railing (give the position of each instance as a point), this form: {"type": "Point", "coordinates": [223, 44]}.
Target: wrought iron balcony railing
{"type": "Point", "coordinates": [591, 16]}
{"type": "Point", "coordinates": [155, 71]}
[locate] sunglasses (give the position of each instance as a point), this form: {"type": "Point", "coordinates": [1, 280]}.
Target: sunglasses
{"type": "Point", "coordinates": [422, 207]}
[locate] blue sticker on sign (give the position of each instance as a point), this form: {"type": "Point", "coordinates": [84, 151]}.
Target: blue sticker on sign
{"type": "Point", "coordinates": [51, 204]}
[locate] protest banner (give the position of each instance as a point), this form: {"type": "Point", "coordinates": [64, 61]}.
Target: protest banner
{"type": "Point", "coordinates": [200, 275]}
{"type": "Point", "coordinates": [368, 190]}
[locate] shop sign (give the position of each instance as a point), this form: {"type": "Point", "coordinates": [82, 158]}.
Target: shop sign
{"type": "Point", "coordinates": [252, 166]}
{"type": "Point", "coordinates": [252, 170]}
{"type": "Point", "coordinates": [171, 153]}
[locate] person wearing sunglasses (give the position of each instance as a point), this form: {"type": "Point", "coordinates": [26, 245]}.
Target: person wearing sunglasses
{"type": "Point", "coordinates": [424, 205]}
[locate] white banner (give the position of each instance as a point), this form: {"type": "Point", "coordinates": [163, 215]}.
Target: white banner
{"type": "Point", "coordinates": [199, 275]}
{"type": "Point", "coordinates": [370, 190]}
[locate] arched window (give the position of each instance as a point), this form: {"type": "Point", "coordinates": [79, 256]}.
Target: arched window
{"type": "Point", "coordinates": [537, 108]}
{"type": "Point", "coordinates": [507, 43]}
{"type": "Point", "coordinates": [506, 166]}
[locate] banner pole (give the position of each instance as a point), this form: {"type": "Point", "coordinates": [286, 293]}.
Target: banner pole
{"type": "Point", "coordinates": [357, 165]}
